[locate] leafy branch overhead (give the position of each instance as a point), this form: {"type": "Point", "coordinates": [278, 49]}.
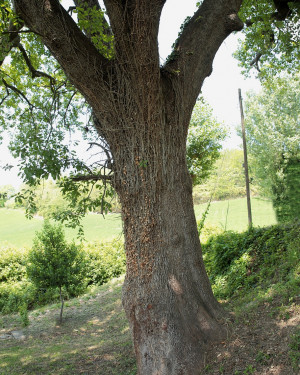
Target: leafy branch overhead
{"type": "Point", "coordinates": [49, 110]}
{"type": "Point", "coordinates": [271, 41]}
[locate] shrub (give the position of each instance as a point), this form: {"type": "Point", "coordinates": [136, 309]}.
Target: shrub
{"type": "Point", "coordinates": [55, 264]}
{"type": "Point", "coordinates": [104, 261]}
{"type": "Point", "coordinates": [12, 264]}
{"type": "Point", "coordinates": [14, 295]}
{"type": "Point", "coordinates": [264, 256]}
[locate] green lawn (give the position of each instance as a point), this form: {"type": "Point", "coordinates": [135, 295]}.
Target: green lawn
{"type": "Point", "coordinates": [232, 214]}
{"type": "Point", "coordinates": [15, 229]}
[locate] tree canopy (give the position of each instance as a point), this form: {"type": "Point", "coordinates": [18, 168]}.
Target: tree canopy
{"type": "Point", "coordinates": [203, 142]}
{"type": "Point", "coordinates": [271, 37]}
{"type": "Point", "coordinates": [36, 94]}
{"type": "Point", "coordinates": [273, 136]}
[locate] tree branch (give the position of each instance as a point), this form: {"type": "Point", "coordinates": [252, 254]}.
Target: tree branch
{"type": "Point", "coordinates": [16, 90]}
{"type": "Point", "coordinates": [34, 73]}
{"type": "Point", "coordinates": [9, 40]}
{"type": "Point", "coordinates": [205, 31]}
{"type": "Point", "coordinates": [135, 27]}
{"type": "Point", "coordinates": [67, 108]}
{"type": "Point", "coordinates": [106, 151]}
{"type": "Point", "coordinates": [91, 177]}
{"type": "Point", "coordinates": [256, 60]}
{"type": "Point", "coordinates": [79, 58]}
{"type": "Point", "coordinates": [282, 13]}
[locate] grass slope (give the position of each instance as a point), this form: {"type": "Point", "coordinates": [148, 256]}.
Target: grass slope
{"type": "Point", "coordinates": [263, 335]}
{"type": "Point", "coordinates": [93, 339]}
{"type": "Point", "coordinates": [18, 231]}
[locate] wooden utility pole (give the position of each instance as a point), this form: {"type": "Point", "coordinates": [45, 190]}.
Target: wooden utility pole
{"type": "Point", "coordinates": [245, 161]}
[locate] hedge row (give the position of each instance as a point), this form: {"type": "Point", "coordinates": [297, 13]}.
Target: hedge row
{"type": "Point", "coordinates": [103, 262]}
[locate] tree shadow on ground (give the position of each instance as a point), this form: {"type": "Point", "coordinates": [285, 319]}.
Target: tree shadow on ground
{"type": "Point", "coordinates": [94, 338]}
{"type": "Point", "coordinates": [259, 343]}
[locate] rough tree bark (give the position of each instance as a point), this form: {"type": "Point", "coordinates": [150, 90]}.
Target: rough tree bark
{"type": "Point", "coordinates": [143, 111]}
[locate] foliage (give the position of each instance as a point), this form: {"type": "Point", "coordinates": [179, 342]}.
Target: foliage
{"type": "Point", "coordinates": [276, 157]}
{"type": "Point", "coordinates": [8, 21]}
{"type": "Point", "coordinates": [12, 264]}
{"type": "Point", "coordinates": [102, 262]}
{"type": "Point", "coordinates": [48, 199]}
{"type": "Point", "coordinates": [286, 190]}
{"type": "Point", "coordinates": [92, 21]}
{"type": "Point", "coordinates": [271, 37]}
{"type": "Point", "coordinates": [46, 119]}
{"type": "Point", "coordinates": [203, 142]}
{"type": "Point", "coordinates": [14, 295]}
{"type": "Point", "coordinates": [46, 116]}
{"type": "Point", "coordinates": [17, 293]}
{"type": "Point", "coordinates": [6, 193]}
{"type": "Point", "coordinates": [259, 256]}
{"type": "Point", "coordinates": [54, 264]}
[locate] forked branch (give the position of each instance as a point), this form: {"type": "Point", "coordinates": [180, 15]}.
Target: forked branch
{"type": "Point", "coordinates": [34, 73]}
{"type": "Point", "coordinates": [201, 37]}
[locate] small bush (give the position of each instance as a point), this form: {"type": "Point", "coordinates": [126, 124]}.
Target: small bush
{"type": "Point", "coordinates": [12, 264]}
{"type": "Point", "coordinates": [55, 264]}
{"type": "Point", "coordinates": [15, 294]}
{"type": "Point", "coordinates": [207, 231]}
{"type": "Point", "coordinates": [103, 261]}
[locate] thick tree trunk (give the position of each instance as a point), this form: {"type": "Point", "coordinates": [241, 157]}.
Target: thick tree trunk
{"type": "Point", "coordinates": [167, 295]}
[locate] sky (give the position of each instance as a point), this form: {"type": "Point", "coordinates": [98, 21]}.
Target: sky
{"type": "Point", "coordinates": [220, 89]}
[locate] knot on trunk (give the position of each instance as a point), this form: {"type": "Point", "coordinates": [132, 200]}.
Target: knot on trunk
{"type": "Point", "coordinates": [233, 22]}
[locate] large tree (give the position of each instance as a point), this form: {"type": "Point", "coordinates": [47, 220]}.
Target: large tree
{"type": "Point", "coordinates": [140, 114]}
{"type": "Point", "coordinates": [276, 157]}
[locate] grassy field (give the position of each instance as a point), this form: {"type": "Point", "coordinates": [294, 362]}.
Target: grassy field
{"type": "Point", "coordinates": [232, 214]}
{"type": "Point", "coordinates": [18, 231]}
